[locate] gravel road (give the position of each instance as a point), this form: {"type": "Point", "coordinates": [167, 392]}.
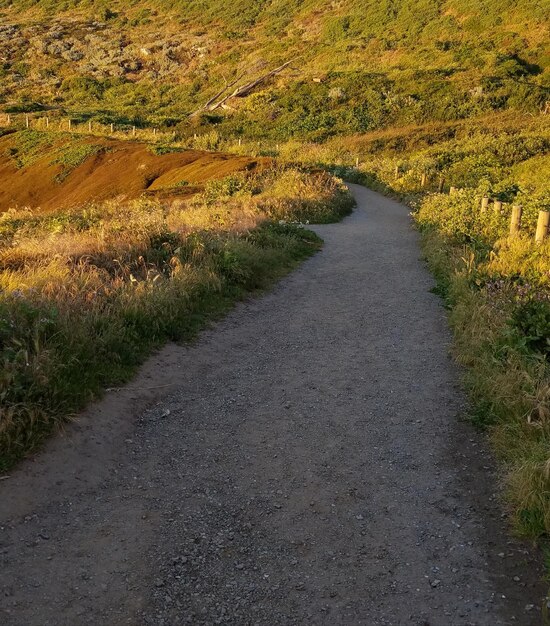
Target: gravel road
{"type": "Point", "coordinates": [303, 462]}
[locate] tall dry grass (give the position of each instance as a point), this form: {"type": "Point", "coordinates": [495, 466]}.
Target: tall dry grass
{"type": "Point", "coordinates": [498, 291]}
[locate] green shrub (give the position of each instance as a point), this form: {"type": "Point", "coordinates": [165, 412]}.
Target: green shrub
{"type": "Point", "coordinates": [532, 320]}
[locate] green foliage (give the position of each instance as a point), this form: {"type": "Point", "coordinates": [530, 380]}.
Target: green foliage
{"type": "Point", "coordinates": [236, 184]}
{"type": "Point", "coordinates": [380, 64]}
{"type": "Point", "coordinates": [73, 155]}
{"type": "Point", "coordinates": [532, 320]}
{"type": "Point", "coordinates": [30, 146]}
{"type": "Point", "coordinates": [160, 149]}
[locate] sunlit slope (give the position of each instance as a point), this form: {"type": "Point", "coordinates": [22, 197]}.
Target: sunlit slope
{"type": "Point", "coordinates": [355, 66]}
{"type": "Point", "coordinates": [50, 171]}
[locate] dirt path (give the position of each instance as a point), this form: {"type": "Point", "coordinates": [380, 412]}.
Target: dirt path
{"type": "Point", "coordinates": [305, 465]}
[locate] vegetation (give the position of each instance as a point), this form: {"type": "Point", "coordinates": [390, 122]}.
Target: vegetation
{"type": "Point", "coordinates": [500, 311]}
{"type": "Point", "coordinates": [85, 295]}
{"type": "Point", "coordinates": [358, 66]}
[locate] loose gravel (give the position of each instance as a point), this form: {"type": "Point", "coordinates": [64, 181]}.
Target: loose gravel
{"type": "Point", "coordinates": [303, 462]}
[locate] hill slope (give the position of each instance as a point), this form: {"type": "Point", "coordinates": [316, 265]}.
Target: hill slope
{"type": "Point", "coordinates": [355, 66]}
{"type": "Point", "coordinates": [51, 171]}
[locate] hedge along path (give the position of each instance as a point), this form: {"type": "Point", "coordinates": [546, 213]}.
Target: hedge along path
{"type": "Point", "coordinates": [307, 465]}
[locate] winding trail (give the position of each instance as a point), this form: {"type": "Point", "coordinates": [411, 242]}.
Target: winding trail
{"type": "Point", "coordinates": [304, 465]}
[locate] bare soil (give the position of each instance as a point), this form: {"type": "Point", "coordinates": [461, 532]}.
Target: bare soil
{"type": "Point", "coordinates": [304, 461]}
{"type": "Point", "coordinates": [123, 169]}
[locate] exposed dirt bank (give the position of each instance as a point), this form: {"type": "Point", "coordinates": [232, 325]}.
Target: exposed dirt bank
{"type": "Point", "coordinates": [52, 178]}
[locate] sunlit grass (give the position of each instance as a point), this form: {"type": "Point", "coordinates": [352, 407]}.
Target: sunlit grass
{"type": "Point", "coordinates": [506, 364]}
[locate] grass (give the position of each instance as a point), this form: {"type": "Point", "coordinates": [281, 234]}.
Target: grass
{"type": "Point", "coordinates": [499, 310]}
{"type": "Point", "coordinates": [86, 295]}
{"type": "Point", "coordinates": [71, 156]}
{"type": "Point", "coordinates": [30, 145]}
{"type": "Point", "coordinates": [358, 66]}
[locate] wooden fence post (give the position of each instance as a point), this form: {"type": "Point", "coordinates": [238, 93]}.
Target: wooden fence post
{"type": "Point", "coordinates": [484, 204]}
{"type": "Point", "coordinates": [27, 121]}
{"type": "Point", "coordinates": [9, 119]}
{"type": "Point", "coordinates": [441, 185]}
{"type": "Point", "coordinates": [356, 161]}
{"type": "Point", "coordinates": [134, 131]}
{"type": "Point", "coordinates": [112, 128]}
{"type": "Point", "coordinates": [70, 124]}
{"type": "Point", "coordinates": [515, 221]}
{"type": "Point", "coordinates": [47, 122]}
{"type": "Point", "coordinates": [497, 206]}
{"type": "Point", "coordinates": [89, 126]}
{"type": "Point", "coordinates": [423, 179]}
{"type": "Point", "coordinates": [542, 226]}
{"type": "Point", "coordinates": [240, 142]}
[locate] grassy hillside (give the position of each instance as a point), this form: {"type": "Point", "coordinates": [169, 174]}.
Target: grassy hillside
{"type": "Point", "coordinates": [357, 66]}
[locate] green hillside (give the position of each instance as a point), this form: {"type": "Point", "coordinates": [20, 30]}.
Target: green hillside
{"type": "Point", "coordinates": [355, 66]}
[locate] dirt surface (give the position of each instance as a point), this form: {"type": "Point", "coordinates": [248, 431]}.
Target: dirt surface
{"type": "Point", "coordinates": [119, 169]}
{"type": "Point", "coordinates": [302, 462]}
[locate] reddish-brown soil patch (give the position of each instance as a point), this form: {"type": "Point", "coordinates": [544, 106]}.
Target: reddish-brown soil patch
{"type": "Point", "coordinates": [120, 169]}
